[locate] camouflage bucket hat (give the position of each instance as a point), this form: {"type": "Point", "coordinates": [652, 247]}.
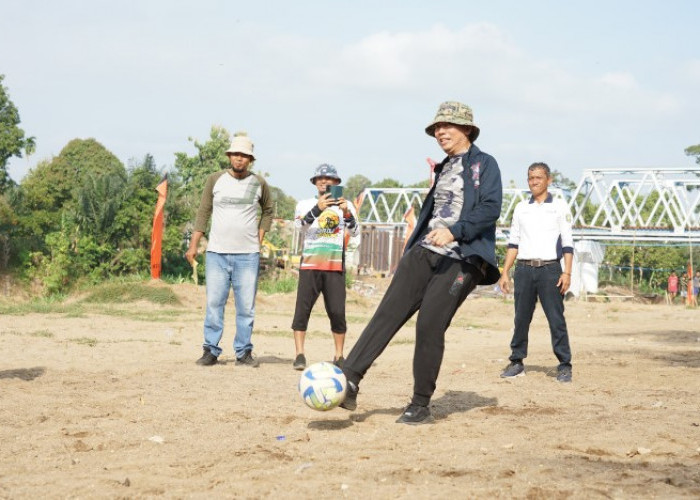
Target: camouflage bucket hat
{"type": "Point", "coordinates": [455, 113]}
{"type": "Point", "coordinates": [325, 170]}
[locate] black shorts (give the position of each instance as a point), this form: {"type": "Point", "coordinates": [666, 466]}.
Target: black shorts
{"type": "Point", "coordinates": [311, 284]}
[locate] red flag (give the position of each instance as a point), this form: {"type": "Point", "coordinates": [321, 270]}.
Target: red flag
{"type": "Point", "coordinates": [689, 288]}
{"type": "Point", "coordinates": [410, 218]}
{"type": "Point", "coordinates": [157, 234]}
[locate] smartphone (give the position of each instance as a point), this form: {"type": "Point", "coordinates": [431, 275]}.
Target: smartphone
{"type": "Point", "coordinates": [336, 191]}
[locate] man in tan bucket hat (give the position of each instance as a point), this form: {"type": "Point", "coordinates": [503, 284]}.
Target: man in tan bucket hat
{"type": "Point", "coordinates": [451, 250]}
{"type": "Point", "coordinates": [230, 199]}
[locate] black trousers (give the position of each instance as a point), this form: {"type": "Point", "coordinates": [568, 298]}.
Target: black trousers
{"type": "Point", "coordinates": [311, 284]}
{"type": "Point", "coordinates": [433, 285]}
{"type": "Point", "coordinates": [532, 283]}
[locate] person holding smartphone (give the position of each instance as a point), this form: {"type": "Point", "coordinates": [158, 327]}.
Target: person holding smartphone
{"type": "Point", "coordinates": [326, 222]}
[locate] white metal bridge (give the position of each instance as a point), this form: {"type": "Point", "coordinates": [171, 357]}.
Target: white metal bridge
{"type": "Point", "coordinates": [625, 204]}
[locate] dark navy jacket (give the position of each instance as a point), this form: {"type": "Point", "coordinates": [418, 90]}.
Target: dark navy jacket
{"type": "Point", "coordinates": [475, 231]}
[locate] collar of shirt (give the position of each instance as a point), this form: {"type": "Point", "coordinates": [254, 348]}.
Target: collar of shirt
{"type": "Point", "coordinates": [547, 200]}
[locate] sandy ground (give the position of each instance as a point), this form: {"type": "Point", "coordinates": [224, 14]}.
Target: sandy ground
{"type": "Point", "coordinates": [108, 403]}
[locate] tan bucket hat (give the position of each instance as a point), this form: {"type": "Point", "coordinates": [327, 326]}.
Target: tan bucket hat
{"type": "Point", "coordinates": [241, 143]}
{"type": "Point", "coordinates": [455, 113]}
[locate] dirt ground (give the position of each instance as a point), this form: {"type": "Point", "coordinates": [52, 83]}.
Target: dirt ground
{"type": "Point", "coordinates": [107, 402]}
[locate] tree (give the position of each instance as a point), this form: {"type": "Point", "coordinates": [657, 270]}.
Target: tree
{"type": "Point", "coordinates": [354, 185]}
{"type": "Point", "coordinates": [561, 181]}
{"type": "Point", "coordinates": [12, 139]}
{"type": "Point", "coordinates": [284, 205]}
{"type": "Point", "coordinates": [52, 188]}
{"type": "Point", "coordinates": [193, 171]}
{"type": "Point", "coordinates": [694, 151]}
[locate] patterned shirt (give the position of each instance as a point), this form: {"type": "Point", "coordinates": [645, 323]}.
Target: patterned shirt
{"type": "Point", "coordinates": [324, 234]}
{"type": "Point", "coordinates": [449, 199]}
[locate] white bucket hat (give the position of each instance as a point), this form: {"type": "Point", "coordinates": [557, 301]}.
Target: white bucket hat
{"type": "Point", "coordinates": [241, 143]}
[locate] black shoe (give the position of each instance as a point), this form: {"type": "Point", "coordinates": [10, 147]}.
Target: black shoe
{"type": "Point", "coordinates": [564, 374]}
{"type": "Point", "coordinates": [299, 362]}
{"type": "Point", "coordinates": [207, 358]}
{"type": "Point", "coordinates": [339, 362]}
{"type": "Point", "coordinates": [248, 360]}
{"type": "Point", "coordinates": [415, 415]}
{"type": "Point", "coordinates": [350, 401]}
{"type": "Point", "coordinates": [514, 369]}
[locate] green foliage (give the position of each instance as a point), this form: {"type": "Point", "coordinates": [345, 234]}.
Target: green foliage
{"type": "Point", "coordinates": [694, 151]}
{"type": "Point", "coordinates": [119, 292]}
{"type": "Point", "coordinates": [354, 185]}
{"type": "Point", "coordinates": [68, 185]}
{"type": "Point", "coordinates": [277, 282]}
{"type": "Point", "coordinates": [284, 204]}
{"type": "Point", "coordinates": [194, 170]}
{"type": "Point", "coordinates": [387, 183]}
{"type": "Point", "coordinates": [561, 181]}
{"type": "Point", "coordinates": [12, 139]}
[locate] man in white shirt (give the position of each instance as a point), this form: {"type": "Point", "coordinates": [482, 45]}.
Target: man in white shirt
{"type": "Point", "coordinates": [540, 235]}
{"type": "Point", "coordinates": [231, 198]}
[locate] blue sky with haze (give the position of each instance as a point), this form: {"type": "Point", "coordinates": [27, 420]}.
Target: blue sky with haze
{"type": "Point", "coordinates": [579, 85]}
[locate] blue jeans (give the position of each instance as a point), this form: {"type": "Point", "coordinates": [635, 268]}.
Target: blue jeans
{"type": "Point", "coordinates": [224, 270]}
{"type": "Point", "coordinates": [531, 284]}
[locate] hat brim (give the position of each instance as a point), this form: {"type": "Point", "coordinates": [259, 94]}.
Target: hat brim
{"type": "Point", "coordinates": [430, 129]}
{"type": "Point", "coordinates": [313, 179]}
{"type": "Point", "coordinates": [234, 151]}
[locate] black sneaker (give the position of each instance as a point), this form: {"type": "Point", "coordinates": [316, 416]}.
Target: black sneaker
{"type": "Point", "coordinates": [416, 415]}
{"type": "Point", "coordinates": [299, 362]}
{"type": "Point", "coordinates": [207, 358]}
{"type": "Point", "coordinates": [564, 374]}
{"type": "Point", "coordinates": [248, 360]}
{"type": "Point", "coordinates": [350, 401]}
{"type": "Point", "coordinates": [339, 362]}
{"type": "Point", "coordinates": [514, 369]}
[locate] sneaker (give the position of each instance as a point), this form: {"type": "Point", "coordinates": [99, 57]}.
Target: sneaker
{"type": "Point", "coordinates": [514, 369]}
{"type": "Point", "coordinates": [207, 358]}
{"type": "Point", "coordinates": [339, 362]}
{"type": "Point", "coordinates": [564, 374]}
{"type": "Point", "coordinates": [415, 415]}
{"type": "Point", "coordinates": [350, 401]}
{"type": "Point", "coordinates": [248, 360]}
{"type": "Point", "coordinates": [299, 362]}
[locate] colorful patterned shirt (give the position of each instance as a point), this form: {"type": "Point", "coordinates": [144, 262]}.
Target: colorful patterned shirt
{"type": "Point", "coordinates": [324, 235]}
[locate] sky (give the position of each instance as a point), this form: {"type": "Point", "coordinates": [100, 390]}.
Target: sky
{"type": "Point", "coordinates": [576, 84]}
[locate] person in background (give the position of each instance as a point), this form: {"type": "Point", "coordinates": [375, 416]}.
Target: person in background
{"type": "Point", "coordinates": [672, 286]}
{"type": "Point", "coordinates": [684, 288]}
{"type": "Point", "coordinates": [540, 235]}
{"type": "Point", "coordinates": [231, 199]}
{"type": "Point", "coordinates": [326, 223]}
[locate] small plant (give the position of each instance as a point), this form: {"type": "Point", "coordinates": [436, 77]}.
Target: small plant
{"type": "Point", "coordinates": [278, 283]}
{"type": "Point", "coordinates": [88, 341]}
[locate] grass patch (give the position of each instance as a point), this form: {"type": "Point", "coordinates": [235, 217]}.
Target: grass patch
{"type": "Point", "coordinates": [117, 292]}
{"type": "Point", "coordinates": [278, 284]}
{"type": "Point", "coordinates": [141, 314]}
{"type": "Point", "coordinates": [43, 306]}
{"type": "Point", "coordinates": [88, 341]}
{"type": "Point", "coordinates": [41, 333]}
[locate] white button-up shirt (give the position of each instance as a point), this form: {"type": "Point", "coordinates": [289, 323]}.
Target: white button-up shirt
{"type": "Point", "coordinates": [541, 230]}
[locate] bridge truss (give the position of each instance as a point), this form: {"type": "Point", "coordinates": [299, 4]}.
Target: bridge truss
{"type": "Point", "coordinates": [659, 205]}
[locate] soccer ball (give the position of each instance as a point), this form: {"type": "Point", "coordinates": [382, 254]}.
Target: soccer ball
{"type": "Point", "coordinates": [322, 386]}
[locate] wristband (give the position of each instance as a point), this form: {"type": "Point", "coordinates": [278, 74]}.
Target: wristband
{"type": "Point", "coordinates": [568, 274]}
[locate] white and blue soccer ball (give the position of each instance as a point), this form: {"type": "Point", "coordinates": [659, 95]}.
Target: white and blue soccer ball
{"type": "Point", "coordinates": [322, 386]}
